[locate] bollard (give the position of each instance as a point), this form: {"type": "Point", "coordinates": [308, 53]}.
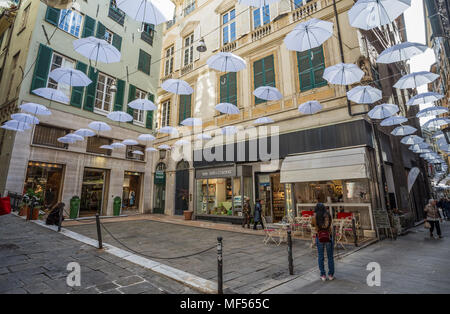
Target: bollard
{"type": "Point", "coordinates": [99, 231]}
{"type": "Point", "coordinates": [289, 248]}
{"type": "Point", "coordinates": [219, 266]}
{"type": "Point", "coordinates": [61, 213]}
{"type": "Point", "coordinates": [354, 232]}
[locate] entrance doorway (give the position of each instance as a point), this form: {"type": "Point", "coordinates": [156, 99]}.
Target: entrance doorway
{"type": "Point", "coordinates": [271, 192]}
{"type": "Point", "coordinates": [182, 187]}
{"type": "Point", "coordinates": [131, 192]}
{"type": "Point", "coordinates": [45, 180]}
{"type": "Point", "coordinates": [92, 191]}
{"type": "Point", "coordinates": [160, 189]}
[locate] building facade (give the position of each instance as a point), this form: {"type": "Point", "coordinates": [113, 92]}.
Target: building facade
{"type": "Point", "coordinates": [41, 40]}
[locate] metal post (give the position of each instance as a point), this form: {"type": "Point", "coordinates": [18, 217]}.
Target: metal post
{"type": "Point", "coordinates": [289, 247]}
{"type": "Point", "coordinates": [61, 213]}
{"type": "Point", "coordinates": [354, 232]}
{"type": "Point", "coordinates": [219, 266]}
{"type": "Point", "coordinates": [99, 231]}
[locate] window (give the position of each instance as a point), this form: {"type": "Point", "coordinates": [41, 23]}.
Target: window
{"type": "Point", "coordinates": [298, 3]}
{"type": "Point", "coordinates": [165, 114]}
{"type": "Point", "coordinates": [185, 108]}
{"type": "Point", "coordinates": [189, 6]}
{"type": "Point", "coordinates": [144, 62]}
{"type": "Point", "coordinates": [264, 74]}
{"type": "Point", "coordinates": [103, 95]}
{"type": "Point", "coordinates": [59, 61]}
{"type": "Point", "coordinates": [148, 34]}
{"type": "Point", "coordinates": [139, 115]}
{"type": "Point", "coordinates": [25, 15]}
{"type": "Point", "coordinates": [48, 136]}
{"type": "Point", "coordinates": [189, 49]}
{"type": "Point", "coordinates": [168, 66]}
{"type": "Point", "coordinates": [115, 13]}
{"type": "Point", "coordinates": [229, 27]}
{"type": "Point", "coordinates": [261, 16]}
{"type": "Point", "coordinates": [94, 143]}
{"type": "Point", "coordinates": [310, 68]}
{"type": "Point", "coordinates": [228, 88]}
{"type": "Point", "coordinates": [108, 36]}
{"type": "Point", "coordinates": [129, 153]}
{"type": "Point", "coordinates": [70, 21]}
{"type": "Point", "coordinates": [15, 61]}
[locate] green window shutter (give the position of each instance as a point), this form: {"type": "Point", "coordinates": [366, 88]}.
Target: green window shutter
{"type": "Point", "coordinates": [149, 119]}
{"type": "Point", "coordinates": [89, 98]}
{"type": "Point", "coordinates": [101, 30]}
{"type": "Point", "coordinates": [131, 97]}
{"type": "Point", "coordinates": [89, 27]}
{"type": "Point", "coordinates": [120, 96]}
{"type": "Point", "coordinates": [144, 62]}
{"type": "Point", "coordinates": [77, 92]}
{"type": "Point", "coordinates": [263, 74]}
{"type": "Point", "coordinates": [117, 42]}
{"type": "Point", "coordinates": [185, 108]}
{"type": "Point", "coordinates": [228, 88]}
{"type": "Point", "coordinates": [42, 68]}
{"type": "Point", "coordinates": [310, 68]}
{"type": "Point", "coordinates": [52, 15]}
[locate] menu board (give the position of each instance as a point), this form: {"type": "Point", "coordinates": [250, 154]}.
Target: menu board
{"type": "Point", "coordinates": [381, 218]}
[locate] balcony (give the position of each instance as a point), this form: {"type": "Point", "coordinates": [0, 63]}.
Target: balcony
{"type": "Point", "coordinates": [262, 31]}
{"type": "Point", "coordinates": [306, 10]}
{"type": "Point", "coordinates": [117, 15]}
{"type": "Point", "coordinates": [187, 68]}
{"type": "Point", "coordinates": [166, 77]}
{"type": "Point", "coordinates": [147, 37]}
{"type": "Point", "coordinates": [229, 47]}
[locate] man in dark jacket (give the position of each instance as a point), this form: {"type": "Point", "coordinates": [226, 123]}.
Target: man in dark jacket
{"type": "Point", "coordinates": [258, 214]}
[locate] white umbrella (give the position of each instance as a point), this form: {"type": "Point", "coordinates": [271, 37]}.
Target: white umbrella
{"type": "Point", "coordinates": [74, 136]}
{"type": "Point", "coordinates": [66, 140]}
{"type": "Point", "coordinates": [137, 152]}
{"type": "Point", "coordinates": [226, 62]}
{"type": "Point", "coordinates": [383, 111]}
{"type": "Point", "coordinates": [25, 117]}
{"type": "Point", "coordinates": [401, 52]}
{"type": "Point", "coordinates": [424, 98]}
{"type": "Point", "coordinates": [364, 94]}
{"type": "Point", "coordinates": [164, 147]}
{"type": "Point", "coordinates": [267, 93]}
{"type": "Point", "coordinates": [343, 74]}
{"type": "Point", "coordinates": [176, 86]}
{"type": "Point", "coordinates": [106, 147]}
{"type": "Point", "coordinates": [310, 107]}
{"type": "Point", "coordinates": [257, 3]}
{"type": "Point", "coordinates": [35, 109]}
{"type": "Point", "coordinates": [14, 125]}
{"type": "Point", "coordinates": [151, 149]}
{"type": "Point", "coordinates": [367, 14]}
{"type": "Point", "coordinates": [99, 126]}
{"type": "Point", "coordinates": [51, 94]}
{"type": "Point", "coordinates": [438, 134]}
{"type": "Point", "coordinates": [422, 151]}
{"type": "Point", "coordinates": [129, 142]}
{"type": "Point", "coordinates": [167, 130]}
{"type": "Point", "coordinates": [418, 146]}
{"type": "Point", "coordinates": [117, 145]}
{"type": "Point", "coordinates": [394, 120]}
{"type": "Point", "coordinates": [148, 11]}
{"type": "Point", "coordinates": [142, 104]}
{"type": "Point", "coordinates": [411, 140]}
{"type": "Point", "coordinates": [309, 34]}
{"type": "Point", "coordinates": [412, 176]}
{"type": "Point", "coordinates": [436, 122]}
{"type": "Point", "coordinates": [227, 108]}
{"type": "Point", "coordinates": [85, 132]}
{"type": "Point", "coordinates": [204, 136]}
{"type": "Point", "coordinates": [192, 122]}
{"type": "Point", "coordinates": [96, 49]}
{"type": "Point", "coordinates": [431, 111]}
{"type": "Point", "coordinates": [415, 79]}
{"type": "Point", "coordinates": [263, 120]}
{"type": "Point", "coordinates": [181, 143]}
{"type": "Point", "coordinates": [229, 130]}
{"type": "Point", "coordinates": [146, 137]}
{"type": "Point", "coordinates": [403, 130]}
{"type": "Point", "coordinates": [71, 77]}
{"type": "Point", "coordinates": [119, 116]}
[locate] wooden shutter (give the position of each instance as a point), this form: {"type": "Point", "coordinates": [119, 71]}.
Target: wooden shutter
{"type": "Point", "coordinates": [117, 42]}
{"type": "Point", "coordinates": [144, 62]}
{"type": "Point", "coordinates": [131, 97]}
{"type": "Point", "coordinates": [52, 15]}
{"type": "Point", "coordinates": [228, 88]}
{"type": "Point", "coordinates": [264, 74]}
{"type": "Point", "coordinates": [310, 68]}
{"type": "Point", "coordinates": [89, 27]}
{"type": "Point", "coordinates": [101, 30]}
{"type": "Point", "coordinates": [185, 108]}
{"type": "Point", "coordinates": [77, 92]}
{"type": "Point", "coordinates": [91, 90]}
{"type": "Point", "coordinates": [120, 96]}
{"type": "Point", "coordinates": [149, 119]}
{"type": "Point", "coordinates": [42, 67]}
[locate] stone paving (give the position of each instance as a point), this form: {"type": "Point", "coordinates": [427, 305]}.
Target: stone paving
{"type": "Point", "coordinates": [34, 260]}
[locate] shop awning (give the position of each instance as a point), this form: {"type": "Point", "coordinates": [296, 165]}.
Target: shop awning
{"type": "Point", "coordinates": [323, 166]}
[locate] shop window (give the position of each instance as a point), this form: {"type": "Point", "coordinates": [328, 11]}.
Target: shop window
{"type": "Point", "coordinates": [94, 143]}
{"type": "Point", "coordinates": [45, 180]}
{"type": "Point", "coordinates": [131, 192]}
{"type": "Point", "coordinates": [228, 88]}
{"type": "Point", "coordinates": [48, 136]}
{"type": "Point", "coordinates": [311, 65]}
{"type": "Point", "coordinates": [131, 148]}
{"type": "Point", "coordinates": [263, 74]}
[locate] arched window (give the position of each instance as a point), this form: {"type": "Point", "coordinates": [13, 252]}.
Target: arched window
{"type": "Point", "coordinates": [161, 167]}
{"type": "Point", "coordinates": [183, 165]}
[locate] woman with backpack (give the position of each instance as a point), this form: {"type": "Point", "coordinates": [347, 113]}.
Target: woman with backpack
{"type": "Point", "coordinates": [321, 221]}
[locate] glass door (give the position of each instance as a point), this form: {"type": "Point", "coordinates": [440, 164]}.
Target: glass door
{"type": "Point", "coordinates": [92, 192]}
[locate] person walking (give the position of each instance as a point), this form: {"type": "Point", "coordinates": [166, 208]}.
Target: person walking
{"type": "Point", "coordinates": [432, 216]}
{"type": "Point", "coordinates": [446, 209]}
{"type": "Point", "coordinates": [257, 215]}
{"type": "Point", "coordinates": [321, 221]}
{"type": "Point", "coordinates": [246, 213]}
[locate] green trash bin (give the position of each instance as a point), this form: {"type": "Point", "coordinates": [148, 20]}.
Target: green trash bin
{"type": "Point", "coordinates": [117, 205]}
{"type": "Point", "coordinates": [74, 207]}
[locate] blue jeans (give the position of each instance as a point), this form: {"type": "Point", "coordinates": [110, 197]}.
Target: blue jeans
{"type": "Point", "coordinates": [320, 249]}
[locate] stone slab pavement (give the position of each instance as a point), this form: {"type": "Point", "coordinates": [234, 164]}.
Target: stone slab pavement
{"type": "Point", "coordinates": [34, 259]}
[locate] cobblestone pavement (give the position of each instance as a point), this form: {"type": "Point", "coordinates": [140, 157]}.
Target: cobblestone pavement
{"type": "Point", "coordinates": [34, 260]}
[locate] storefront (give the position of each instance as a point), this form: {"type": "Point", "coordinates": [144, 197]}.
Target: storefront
{"type": "Point", "coordinates": [221, 191]}
{"type": "Point", "coordinates": [182, 187]}
{"type": "Point", "coordinates": [131, 192]}
{"type": "Point", "coordinates": [92, 191]}
{"type": "Point", "coordinates": [271, 192]}
{"type": "Point", "coordinates": [160, 189]}
{"type": "Point", "coordinates": [45, 180]}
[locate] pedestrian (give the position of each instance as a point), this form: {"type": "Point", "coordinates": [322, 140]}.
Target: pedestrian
{"type": "Point", "coordinates": [258, 214]}
{"type": "Point", "coordinates": [446, 209]}
{"type": "Point", "coordinates": [246, 213]}
{"type": "Point", "coordinates": [432, 216]}
{"type": "Point", "coordinates": [321, 221]}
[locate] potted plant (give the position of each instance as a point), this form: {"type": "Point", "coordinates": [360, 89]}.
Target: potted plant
{"type": "Point", "coordinates": [25, 205]}
{"type": "Point", "coordinates": [32, 204]}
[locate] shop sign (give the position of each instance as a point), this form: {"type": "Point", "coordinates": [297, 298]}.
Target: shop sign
{"type": "Point", "coordinates": [160, 177]}
{"type": "Point", "coordinates": [215, 173]}
{"type": "Point", "coordinates": [264, 180]}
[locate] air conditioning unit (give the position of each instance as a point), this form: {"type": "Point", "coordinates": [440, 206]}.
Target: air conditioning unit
{"type": "Point", "coordinates": [59, 4]}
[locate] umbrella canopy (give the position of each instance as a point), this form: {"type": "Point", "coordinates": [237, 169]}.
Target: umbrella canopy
{"type": "Point", "coordinates": [25, 117]}
{"type": "Point", "coordinates": [436, 122]}
{"type": "Point", "coordinates": [99, 126]}
{"type": "Point", "coordinates": [151, 149]}
{"type": "Point", "coordinates": [226, 62]}
{"type": "Point", "coordinates": [71, 77]}
{"type": "Point", "coordinates": [146, 137]}
{"type": "Point", "coordinates": [192, 122]}
{"type": "Point", "coordinates": [229, 130]}
{"type": "Point", "coordinates": [308, 35]}
{"type": "Point", "coordinates": [14, 125]}
{"type": "Point", "coordinates": [66, 140]}
{"type": "Point", "coordinates": [403, 130]}
{"type": "Point", "coordinates": [137, 152]}
{"type": "Point", "coordinates": [418, 146]}
{"type": "Point", "coordinates": [424, 98]}
{"type": "Point", "coordinates": [367, 14]}
{"type": "Point", "coordinates": [182, 143]}
{"type": "Point", "coordinates": [204, 136]}
{"type": "Point", "coordinates": [85, 132]}
{"type": "Point", "coordinates": [148, 11]}
{"type": "Point", "coordinates": [74, 136]}
{"type": "Point", "coordinates": [343, 74]}
{"type": "Point", "coordinates": [117, 145]}
{"type": "Point", "coordinates": [119, 116]}
{"type": "Point", "coordinates": [383, 111]}
{"type": "Point", "coordinates": [431, 111]}
{"type": "Point", "coordinates": [167, 130]}
{"type": "Point", "coordinates": [142, 104]}
{"type": "Point", "coordinates": [267, 93]}
{"type": "Point", "coordinates": [257, 3]}
{"type": "Point", "coordinates": [178, 87]}
{"type": "Point", "coordinates": [106, 147]}
{"type": "Point", "coordinates": [310, 107]}
{"type": "Point", "coordinates": [401, 52]}
{"type": "Point", "coordinates": [129, 142]}
{"type": "Point", "coordinates": [415, 79]}
{"type": "Point", "coordinates": [263, 120]}
{"type": "Point", "coordinates": [394, 120]}
{"type": "Point", "coordinates": [438, 134]}
{"type": "Point", "coordinates": [52, 94]}
{"type": "Point", "coordinates": [412, 176]}
{"type": "Point", "coordinates": [96, 49]}
{"type": "Point", "coordinates": [411, 140]}
{"type": "Point", "coordinates": [164, 147]}
{"type": "Point", "coordinates": [227, 108]}
{"type": "Point", "coordinates": [364, 94]}
{"type": "Point", "coordinates": [35, 109]}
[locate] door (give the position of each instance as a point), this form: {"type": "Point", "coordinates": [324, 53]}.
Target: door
{"type": "Point", "coordinates": [182, 188]}
{"type": "Point", "coordinates": [159, 203]}
{"type": "Point", "coordinates": [92, 192]}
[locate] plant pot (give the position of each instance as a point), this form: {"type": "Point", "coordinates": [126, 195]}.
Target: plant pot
{"type": "Point", "coordinates": [188, 214]}
{"type": "Point", "coordinates": [35, 214]}
{"type": "Point", "coordinates": [23, 211]}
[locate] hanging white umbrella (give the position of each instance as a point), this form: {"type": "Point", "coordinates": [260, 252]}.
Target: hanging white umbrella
{"type": "Point", "coordinates": [84, 132]}
{"type": "Point", "coordinates": [412, 176]}
{"type": "Point", "coordinates": [401, 52]}
{"type": "Point", "coordinates": [367, 14]}
{"type": "Point", "coordinates": [263, 120]}
{"type": "Point", "coordinates": [137, 152]}
{"type": "Point", "coordinates": [383, 111]}
{"type": "Point", "coordinates": [364, 94]}
{"type": "Point", "coordinates": [411, 140]}
{"type": "Point", "coordinates": [146, 137]}
{"type": "Point", "coordinates": [167, 130]}
{"type": "Point", "coordinates": [151, 149]}
{"type": "Point", "coordinates": [431, 111]}
{"type": "Point", "coordinates": [226, 62]}
{"type": "Point", "coordinates": [227, 108]}
{"type": "Point", "coordinates": [204, 136]}
{"type": "Point", "coordinates": [17, 126]}
{"type": "Point", "coordinates": [310, 107]}
{"type": "Point", "coordinates": [142, 104]}
{"type": "Point", "coordinates": [436, 122]}
{"type": "Point", "coordinates": [74, 136]}
{"type": "Point", "coordinates": [403, 130]}
{"type": "Point", "coordinates": [309, 34]}
{"type": "Point", "coordinates": [106, 147]}
{"type": "Point", "coordinates": [438, 134]}
{"type": "Point", "coordinates": [119, 116]}
{"type": "Point", "coordinates": [176, 86]}
{"type": "Point", "coordinates": [343, 74]}
{"type": "Point", "coordinates": [97, 50]}
{"type": "Point", "coordinates": [229, 130]}
{"type": "Point", "coordinates": [52, 94]}
{"type": "Point", "coordinates": [25, 117]}
{"type": "Point", "coordinates": [424, 98]}
{"type": "Point", "coordinates": [35, 109]}
{"type": "Point", "coordinates": [192, 122]}
{"type": "Point", "coordinates": [71, 77]}
{"type": "Point", "coordinates": [394, 120]}
{"type": "Point", "coordinates": [267, 93]}
{"type": "Point", "coordinates": [181, 143]}
{"type": "Point", "coordinates": [415, 79]}
{"type": "Point", "coordinates": [66, 140]}
{"type": "Point", "coordinates": [117, 145]}
{"type": "Point", "coordinates": [164, 147]}
{"type": "Point", "coordinates": [129, 142]}
{"type": "Point", "coordinates": [257, 3]}
{"type": "Point", "coordinates": [148, 11]}
{"type": "Point", "coordinates": [418, 146]}
{"type": "Point", "coordinates": [99, 126]}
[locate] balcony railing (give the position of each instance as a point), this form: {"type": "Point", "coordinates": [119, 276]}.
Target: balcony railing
{"type": "Point", "coordinates": [306, 10]}
{"type": "Point", "coordinates": [117, 15]}
{"type": "Point", "coordinates": [166, 77]}
{"type": "Point", "coordinates": [187, 68]}
{"type": "Point", "coordinates": [147, 37]}
{"type": "Point", "coordinates": [262, 31]}
{"type": "Point", "coordinates": [229, 47]}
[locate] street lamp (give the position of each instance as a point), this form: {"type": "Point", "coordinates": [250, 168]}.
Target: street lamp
{"type": "Point", "coordinates": [162, 154]}
{"type": "Point", "coordinates": [201, 45]}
